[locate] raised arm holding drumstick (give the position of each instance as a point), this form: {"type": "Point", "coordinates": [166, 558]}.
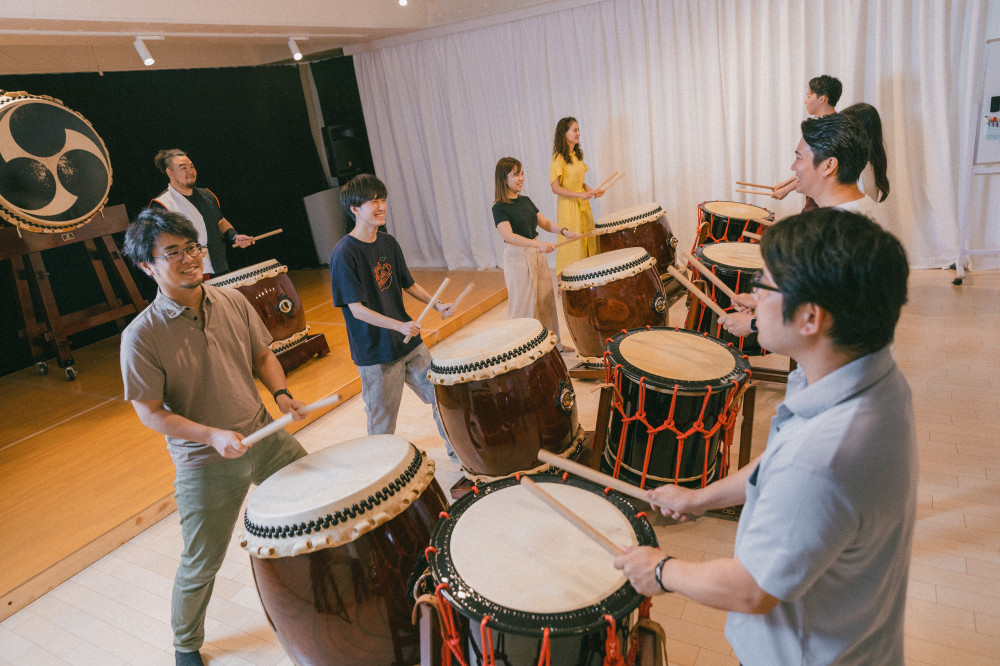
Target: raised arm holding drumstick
{"type": "Point", "coordinates": [525, 268]}
{"type": "Point", "coordinates": [368, 275]}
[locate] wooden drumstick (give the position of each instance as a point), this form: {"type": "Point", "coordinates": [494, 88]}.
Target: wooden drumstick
{"type": "Point", "coordinates": [606, 181]}
{"type": "Point", "coordinates": [617, 178]}
{"type": "Point", "coordinates": [585, 472]}
{"type": "Point", "coordinates": [430, 304]}
{"type": "Point", "coordinates": [580, 237]}
{"type": "Point", "coordinates": [709, 275]}
{"type": "Point", "coordinates": [763, 187]}
{"type": "Point", "coordinates": [264, 235]}
{"type": "Point", "coordinates": [279, 423]}
{"type": "Point", "coordinates": [696, 291]}
{"type": "Point", "coordinates": [750, 234]}
{"type": "Point", "coordinates": [577, 521]}
{"type": "Point", "coordinates": [736, 189]}
{"type": "Point", "coordinates": [465, 292]}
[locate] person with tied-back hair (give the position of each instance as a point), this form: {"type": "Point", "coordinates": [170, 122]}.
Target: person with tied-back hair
{"type": "Point", "coordinates": [187, 363]}
{"type": "Point", "coordinates": [566, 175]}
{"type": "Point", "coordinates": [200, 206]}
{"type": "Point", "coordinates": [821, 560]}
{"type": "Point", "coordinates": [874, 182]}
{"type": "Point", "coordinates": [525, 270]}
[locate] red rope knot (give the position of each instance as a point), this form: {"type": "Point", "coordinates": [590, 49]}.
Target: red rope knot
{"type": "Point", "coordinates": [486, 638]}
{"type": "Point", "coordinates": [475, 489]}
{"type": "Point", "coordinates": [607, 490]}
{"type": "Point", "coordinates": [443, 514]}
{"type": "Point", "coordinates": [545, 654]}
{"type": "Point", "coordinates": [642, 514]}
{"type": "Point", "coordinates": [430, 550]}
{"type": "Point", "coordinates": [517, 476]}
{"type": "Point", "coordinates": [565, 476]}
{"type": "Point", "coordinates": [612, 647]}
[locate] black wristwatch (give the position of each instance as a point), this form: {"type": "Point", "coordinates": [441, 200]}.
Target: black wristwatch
{"type": "Point", "coordinates": [753, 324]}
{"type": "Point", "coordinates": [658, 573]}
{"type": "Point", "coordinates": [283, 391]}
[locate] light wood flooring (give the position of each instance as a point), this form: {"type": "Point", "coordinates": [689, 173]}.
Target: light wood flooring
{"type": "Point", "coordinates": [116, 611]}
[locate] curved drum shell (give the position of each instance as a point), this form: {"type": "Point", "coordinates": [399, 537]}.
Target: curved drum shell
{"type": "Point", "coordinates": [271, 297]}
{"type": "Point", "coordinates": [707, 321]}
{"type": "Point", "coordinates": [348, 604]}
{"type": "Point", "coordinates": [596, 313]}
{"type": "Point", "coordinates": [497, 425]}
{"type": "Point", "coordinates": [729, 221]}
{"type": "Point", "coordinates": [654, 236]}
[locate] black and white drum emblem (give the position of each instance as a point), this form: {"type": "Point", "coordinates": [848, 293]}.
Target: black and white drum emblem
{"type": "Point", "coordinates": [55, 172]}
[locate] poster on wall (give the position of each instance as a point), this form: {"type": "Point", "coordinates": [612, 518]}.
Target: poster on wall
{"type": "Point", "coordinates": [988, 125]}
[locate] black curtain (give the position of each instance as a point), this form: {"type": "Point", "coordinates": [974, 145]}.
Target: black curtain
{"type": "Point", "coordinates": [247, 132]}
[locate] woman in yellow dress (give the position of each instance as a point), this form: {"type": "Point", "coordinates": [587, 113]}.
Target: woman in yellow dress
{"type": "Point", "coordinates": [566, 173]}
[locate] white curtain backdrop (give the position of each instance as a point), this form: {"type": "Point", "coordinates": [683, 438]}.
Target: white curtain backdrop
{"type": "Point", "coordinates": [685, 96]}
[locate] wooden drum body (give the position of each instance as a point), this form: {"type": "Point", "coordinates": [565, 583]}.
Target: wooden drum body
{"type": "Point", "coordinates": [503, 392]}
{"type": "Point", "coordinates": [333, 539]}
{"type": "Point", "coordinates": [270, 290]}
{"type": "Point", "coordinates": [735, 264]}
{"type": "Point", "coordinates": [607, 293]}
{"type": "Point", "coordinates": [720, 221]}
{"type": "Point", "coordinates": [642, 226]}
{"type": "Point", "coordinates": [674, 419]}
{"type": "Point", "coordinates": [543, 588]}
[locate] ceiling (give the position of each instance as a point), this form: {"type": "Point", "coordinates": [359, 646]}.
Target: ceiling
{"type": "Point", "coordinates": [84, 36]}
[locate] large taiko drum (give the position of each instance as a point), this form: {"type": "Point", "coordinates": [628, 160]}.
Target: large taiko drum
{"type": "Point", "coordinates": [720, 221]}
{"type": "Point", "coordinates": [642, 226]}
{"type": "Point", "coordinates": [55, 173]}
{"type": "Point", "coordinates": [735, 264]}
{"type": "Point", "coordinates": [607, 293]}
{"type": "Point", "coordinates": [503, 392]}
{"type": "Point", "coordinates": [675, 406]}
{"type": "Point", "coordinates": [530, 585]}
{"type": "Point", "coordinates": [333, 539]}
{"type": "Point", "coordinates": [270, 290]}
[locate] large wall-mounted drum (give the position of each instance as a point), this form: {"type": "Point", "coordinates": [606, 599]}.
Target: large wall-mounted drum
{"type": "Point", "coordinates": [55, 173]}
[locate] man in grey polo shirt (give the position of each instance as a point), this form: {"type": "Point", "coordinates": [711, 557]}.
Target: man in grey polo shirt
{"type": "Point", "coordinates": [187, 364]}
{"type": "Point", "coordinates": [822, 554]}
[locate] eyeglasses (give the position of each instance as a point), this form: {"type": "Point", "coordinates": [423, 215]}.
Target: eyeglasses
{"type": "Point", "coordinates": [755, 283]}
{"type": "Point", "coordinates": [174, 256]}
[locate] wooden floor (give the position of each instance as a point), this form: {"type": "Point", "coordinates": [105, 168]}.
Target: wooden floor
{"type": "Point", "coordinates": [117, 611]}
{"type": "Point", "coordinates": [81, 475]}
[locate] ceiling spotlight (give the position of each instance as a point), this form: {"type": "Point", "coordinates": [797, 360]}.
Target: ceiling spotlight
{"type": "Point", "coordinates": [402, 3]}
{"type": "Point", "coordinates": [294, 48]}
{"type": "Point", "coordinates": [140, 47]}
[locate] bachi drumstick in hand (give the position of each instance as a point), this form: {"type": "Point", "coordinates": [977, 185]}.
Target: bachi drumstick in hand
{"type": "Point", "coordinates": [577, 521]}
{"type": "Point", "coordinates": [696, 291]}
{"type": "Point", "coordinates": [430, 304]}
{"type": "Point", "coordinates": [279, 423]}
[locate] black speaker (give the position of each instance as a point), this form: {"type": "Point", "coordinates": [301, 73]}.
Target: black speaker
{"type": "Point", "coordinates": [343, 151]}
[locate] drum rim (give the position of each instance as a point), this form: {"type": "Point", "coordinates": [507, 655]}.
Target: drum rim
{"type": "Point", "coordinates": [240, 275]}
{"type": "Point", "coordinates": [19, 218]}
{"type": "Point", "coordinates": [739, 374]}
{"type": "Point", "coordinates": [652, 211]}
{"type": "Point", "coordinates": [474, 606]}
{"type": "Point", "coordinates": [621, 269]}
{"type": "Point", "coordinates": [451, 371]}
{"type": "Point", "coordinates": [769, 216]}
{"type": "Point", "coordinates": [699, 253]}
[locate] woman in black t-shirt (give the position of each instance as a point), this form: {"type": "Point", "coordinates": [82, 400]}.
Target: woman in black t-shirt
{"type": "Point", "coordinates": [525, 268]}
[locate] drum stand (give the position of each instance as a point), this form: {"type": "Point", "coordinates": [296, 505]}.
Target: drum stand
{"type": "Point", "coordinates": [50, 327]}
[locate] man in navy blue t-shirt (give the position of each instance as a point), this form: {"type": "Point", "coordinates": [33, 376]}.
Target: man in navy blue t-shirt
{"type": "Point", "coordinates": [369, 274]}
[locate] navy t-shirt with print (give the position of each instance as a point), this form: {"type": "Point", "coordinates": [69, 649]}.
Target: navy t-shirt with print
{"type": "Point", "coordinates": [374, 275]}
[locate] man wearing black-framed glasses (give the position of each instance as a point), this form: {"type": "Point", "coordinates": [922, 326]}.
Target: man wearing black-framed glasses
{"type": "Point", "coordinates": [822, 552]}
{"type": "Point", "coordinates": [188, 362]}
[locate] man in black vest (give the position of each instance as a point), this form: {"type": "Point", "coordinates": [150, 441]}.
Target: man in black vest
{"type": "Point", "coordinates": [200, 206]}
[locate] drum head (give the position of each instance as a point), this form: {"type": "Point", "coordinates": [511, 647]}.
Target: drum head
{"type": "Point", "coordinates": [506, 554]}
{"type": "Point", "coordinates": [667, 356]}
{"type": "Point", "coordinates": [486, 350]}
{"type": "Point", "coordinates": [334, 495]}
{"type": "Point", "coordinates": [249, 275]}
{"type": "Point", "coordinates": [604, 268]}
{"type": "Point", "coordinates": [734, 209]}
{"type": "Point", "coordinates": [743, 256]}
{"type": "Point", "coordinates": [55, 172]}
{"type": "Point", "coordinates": [628, 217]}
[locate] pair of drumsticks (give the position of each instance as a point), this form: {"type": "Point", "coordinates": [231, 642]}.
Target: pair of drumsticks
{"type": "Point", "coordinates": [606, 185]}
{"type": "Point", "coordinates": [769, 189]}
{"type": "Point", "coordinates": [436, 298]}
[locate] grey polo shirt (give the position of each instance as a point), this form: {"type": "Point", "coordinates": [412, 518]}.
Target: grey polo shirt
{"type": "Point", "coordinates": [828, 522]}
{"type": "Point", "coordinates": [202, 370]}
